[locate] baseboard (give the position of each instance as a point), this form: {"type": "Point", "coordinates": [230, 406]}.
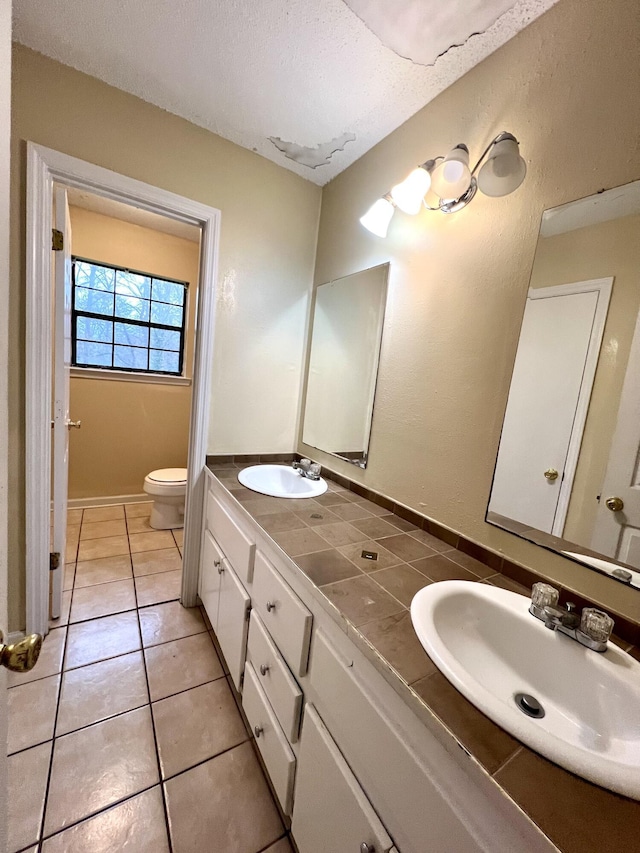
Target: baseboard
{"type": "Point", "coordinates": [14, 637]}
{"type": "Point", "coordinates": [85, 503]}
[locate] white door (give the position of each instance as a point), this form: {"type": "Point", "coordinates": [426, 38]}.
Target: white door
{"type": "Point", "coordinates": [549, 396]}
{"type": "Point", "coordinates": [62, 364]}
{"type": "Point", "coordinates": [617, 532]}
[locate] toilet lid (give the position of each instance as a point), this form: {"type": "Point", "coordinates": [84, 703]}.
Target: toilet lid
{"type": "Point", "coordinates": [169, 475]}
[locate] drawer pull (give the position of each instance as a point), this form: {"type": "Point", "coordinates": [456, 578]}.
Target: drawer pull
{"type": "Point", "coordinates": [264, 669]}
{"type": "Point", "coordinates": [367, 848]}
{"type": "Point", "coordinates": [258, 730]}
{"type": "Point", "coordinates": [270, 606]}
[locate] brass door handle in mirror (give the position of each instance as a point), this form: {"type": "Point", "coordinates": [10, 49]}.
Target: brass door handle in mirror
{"type": "Point", "coordinates": [614, 504]}
{"type": "Point", "coordinates": [21, 656]}
{"type": "Point", "coordinates": [551, 474]}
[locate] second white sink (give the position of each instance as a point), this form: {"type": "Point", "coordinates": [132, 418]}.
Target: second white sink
{"type": "Point", "coordinates": [281, 481]}
{"type": "Point", "coordinates": [488, 645]}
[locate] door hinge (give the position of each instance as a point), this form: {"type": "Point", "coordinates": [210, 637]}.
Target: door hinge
{"type": "Point", "coordinates": [57, 240]}
{"type": "Point", "coordinates": [54, 561]}
{"type": "Point", "coordinates": [247, 614]}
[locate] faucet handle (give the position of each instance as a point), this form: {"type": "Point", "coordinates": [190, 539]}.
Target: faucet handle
{"type": "Point", "coordinates": [305, 464]}
{"type": "Point", "coordinates": [544, 595]}
{"type": "Point", "coordinates": [596, 624]}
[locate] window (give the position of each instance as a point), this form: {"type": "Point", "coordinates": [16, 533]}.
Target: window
{"type": "Point", "coordinates": [127, 320]}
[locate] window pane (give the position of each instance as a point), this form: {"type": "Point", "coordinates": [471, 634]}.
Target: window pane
{"type": "Point", "coordinates": [90, 329]}
{"type": "Point", "coordinates": [96, 355]}
{"type": "Point", "coordinates": [94, 276]}
{"type": "Point", "coordinates": [95, 301]}
{"type": "Point", "coordinates": [164, 339]}
{"type": "Point", "coordinates": [167, 315]}
{"type": "Point", "coordinates": [135, 336]}
{"type": "Point", "coordinates": [164, 362]}
{"type": "Point", "coordinates": [132, 308]}
{"type": "Point", "coordinates": [168, 291]}
{"type": "Point", "coordinates": [131, 284]}
{"type": "Point", "coordinates": [130, 357]}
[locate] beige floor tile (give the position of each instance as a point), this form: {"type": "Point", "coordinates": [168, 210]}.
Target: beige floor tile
{"type": "Point", "coordinates": [71, 552]}
{"type": "Point", "coordinates": [282, 846]}
{"type": "Point", "coordinates": [214, 724]}
{"type": "Point", "coordinates": [96, 549]}
{"type": "Point", "coordinates": [161, 623]}
{"type": "Point", "coordinates": [101, 690]}
{"type": "Point", "coordinates": [106, 763]}
{"type": "Point", "coordinates": [103, 599]}
{"type": "Point", "coordinates": [135, 826]}
{"type": "Point", "coordinates": [154, 589]}
{"type": "Point", "coordinates": [105, 570]}
{"type": "Point", "coordinates": [139, 524]}
{"type": "Point", "coordinates": [154, 541]}
{"type": "Point", "coordinates": [100, 639]}
{"type": "Point", "coordinates": [74, 516]}
{"type": "Point", "coordinates": [103, 513]}
{"type": "Point", "coordinates": [32, 712]}
{"type": "Point", "coordinates": [181, 664]}
{"type": "Point", "coordinates": [28, 772]}
{"type": "Point", "coordinates": [49, 662]}
{"type": "Point", "coordinates": [73, 532]}
{"type": "Point", "coordinates": [178, 535]}
{"type": "Point", "coordinates": [223, 792]}
{"type": "Point", "coordinates": [69, 575]}
{"type": "Point", "coordinates": [63, 619]}
{"type": "Point", "coordinates": [138, 509]}
{"type": "Point", "coordinates": [151, 562]}
{"type": "Point", "coordinates": [102, 529]}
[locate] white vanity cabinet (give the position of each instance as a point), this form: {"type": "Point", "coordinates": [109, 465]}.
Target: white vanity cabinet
{"type": "Point", "coordinates": [331, 811]}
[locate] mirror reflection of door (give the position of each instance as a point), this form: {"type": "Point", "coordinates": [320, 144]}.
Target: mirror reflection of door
{"type": "Point", "coordinates": [550, 389]}
{"type": "Point", "coordinates": [617, 531]}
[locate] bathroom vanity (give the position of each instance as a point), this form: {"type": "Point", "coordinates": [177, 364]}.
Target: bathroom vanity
{"type": "Point", "coordinates": [357, 759]}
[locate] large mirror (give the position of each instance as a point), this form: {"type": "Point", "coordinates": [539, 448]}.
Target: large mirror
{"type": "Point", "coordinates": [568, 469]}
{"type": "Point", "coordinates": [348, 316]}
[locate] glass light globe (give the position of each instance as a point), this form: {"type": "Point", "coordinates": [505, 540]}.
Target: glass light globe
{"type": "Point", "coordinates": [378, 217]}
{"type": "Point", "coordinates": [452, 177]}
{"type": "Point", "coordinates": [408, 195]}
{"type": "Point", "coordinates": [504, 171]}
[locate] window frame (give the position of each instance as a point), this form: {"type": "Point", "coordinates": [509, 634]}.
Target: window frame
{"type": "Point", "coordinates": [133, 373]}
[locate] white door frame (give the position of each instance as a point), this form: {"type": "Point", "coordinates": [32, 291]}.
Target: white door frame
{"type": "Point", "coordinates": [603, 287]}
{"type": "Point", "coordinates": [44, 166]}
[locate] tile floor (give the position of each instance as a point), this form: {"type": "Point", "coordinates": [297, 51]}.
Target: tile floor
{"type": "Point", "coordinates": [126, 735]}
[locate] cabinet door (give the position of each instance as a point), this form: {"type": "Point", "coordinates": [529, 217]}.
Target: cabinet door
{"type": "Point", "coordinates": [233, 622]}
{"type": "Point", "coordinates": [210, 577]}
{"type": "Point", "coordinates": [346, 821]}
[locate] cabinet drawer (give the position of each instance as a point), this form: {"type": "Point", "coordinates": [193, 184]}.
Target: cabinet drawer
{"type": "Point", "coordinates": [284, 615]}
{"type": "Point", "coordinates": [232, 625]}
{"type": "Point", "coordinates": [210, 576]}
{"type": "Point", "coordinates": [331, 811]}
{"type": "Point", "coordinates": [274, 748]}
{"type": "Point", "coordinates": [235, 543]}
{"type": "Point", "coordinates": [277, 682]}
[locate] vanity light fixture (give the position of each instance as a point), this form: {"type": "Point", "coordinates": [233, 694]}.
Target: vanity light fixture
{"type": "Point", "coordinates": [452, 181]}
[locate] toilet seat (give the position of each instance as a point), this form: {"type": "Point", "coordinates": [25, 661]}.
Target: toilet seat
{"type": "Point", "coordinates": [168, 475]}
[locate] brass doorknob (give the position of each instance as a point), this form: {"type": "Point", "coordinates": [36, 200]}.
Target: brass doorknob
{"type": "Point", "coordinates": [21, 656]}
{"type": "Point", "coordinates": [74, 424]}
{"type": "Point", "coordinates": [614, 504]}
{"type": "Point", "coordinates": [551, 474]}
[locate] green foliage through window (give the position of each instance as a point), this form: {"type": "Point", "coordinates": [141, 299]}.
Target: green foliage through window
{"type": "Point", "coordinates": [127, 320]}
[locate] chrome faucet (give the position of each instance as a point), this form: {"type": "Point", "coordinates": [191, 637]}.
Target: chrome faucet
{"type": "Point", "coordinates": [307, 468]}
{"type": "Point", "coordinates": [592, 628]}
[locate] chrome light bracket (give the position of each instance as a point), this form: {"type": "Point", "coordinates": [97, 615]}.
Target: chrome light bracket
{"type": "Point", "coordinates": [453, 205]}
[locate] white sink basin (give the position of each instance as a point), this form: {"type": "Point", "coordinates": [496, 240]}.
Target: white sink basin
{"type": "Point", "coordinates": [281, 481]}
{"type": "Point", "coordinates": [487, 644]}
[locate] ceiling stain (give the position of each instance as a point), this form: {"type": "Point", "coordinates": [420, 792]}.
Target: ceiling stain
{"type": "Point", "coordinates": [320, 155]}
{"type": "Point", "coordinates": [423, 31]}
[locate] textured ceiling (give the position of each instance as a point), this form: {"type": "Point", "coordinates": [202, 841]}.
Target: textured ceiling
{"type": "Point", "coordinates": [310, 84]}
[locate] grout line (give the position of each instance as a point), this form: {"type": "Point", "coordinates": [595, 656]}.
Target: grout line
{"type": "Point", "coordinates": [247, 739]}
{"type": "Point", "coordinates": [508, 760]}
{"type": "Point", "coordinates": [153, 722]}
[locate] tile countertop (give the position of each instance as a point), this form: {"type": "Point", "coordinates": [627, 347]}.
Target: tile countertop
{"type": "Point", "coordinates": [324, 537]}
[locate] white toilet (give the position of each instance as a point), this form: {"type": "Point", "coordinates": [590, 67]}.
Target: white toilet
{"type": "Point", "coordinates": [167, 487]}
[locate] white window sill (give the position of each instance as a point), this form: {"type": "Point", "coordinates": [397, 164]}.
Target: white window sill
{"type": "Point", "coordinates": [126, 376]}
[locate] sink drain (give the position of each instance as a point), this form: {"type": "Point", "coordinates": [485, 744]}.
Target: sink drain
{"type": "Point", "coordinates": [529, 705]}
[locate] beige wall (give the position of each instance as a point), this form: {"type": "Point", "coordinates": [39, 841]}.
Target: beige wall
{"type": "Point", "coordinates": [129, 428]}
{"type": "Point", "coordinates": [598, 251]}
{"type": "Point", "coordinates": [268, 238]}
{"type": "Point", "coordinates": [567, 87]}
